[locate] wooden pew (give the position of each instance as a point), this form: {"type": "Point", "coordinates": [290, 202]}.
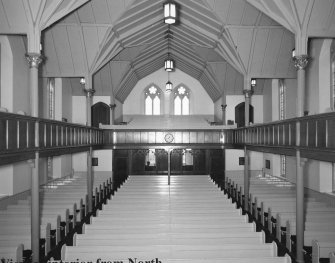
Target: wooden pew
{"type": "Point", "coordinates": [12, 253]}
{"type": "Point", "coordinates": [110, 240]}
{"type": "Point", "coordinates": [321, 236]}
{"type": "Point", "coordinates": [322, 250]}
{"type": "Point", "coordinates": [332, 257]}
{"type": "Point", "coordinates": [179, 228]}
{"type": "Point", "coordinates": [171, 251]}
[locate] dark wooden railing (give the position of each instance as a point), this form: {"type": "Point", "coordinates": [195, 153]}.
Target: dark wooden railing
{"type": "Point", "coordinates": [21, 136]}
{"type": "Point", "coordinates": [19, 141]}
{"type": "Point", "coordinates": [317, 136]}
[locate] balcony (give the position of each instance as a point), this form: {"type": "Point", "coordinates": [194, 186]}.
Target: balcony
{"type": "Point", "coordinates": [317, 137]}
{"type": "Point", "coordinates": [21, 136]}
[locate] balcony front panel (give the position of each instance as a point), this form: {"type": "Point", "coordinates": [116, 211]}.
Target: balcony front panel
{"type": "Point", "coordinates": [118, 138]}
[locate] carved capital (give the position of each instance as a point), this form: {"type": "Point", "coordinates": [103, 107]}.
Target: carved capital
{"type": "Point", "coordinates": [301, 61]}
{"type": "Point", "coordinates": [248, 93]}
{"type": "Point", "coordinates": [34, 59]}
{"type": "Point", "coordinates": [112, 106]}
{"type": "Point", "coordinates": [223, 107]}
{"type": "Point", "coordinates": [89, 92]}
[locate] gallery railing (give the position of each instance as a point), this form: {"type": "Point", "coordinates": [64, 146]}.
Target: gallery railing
{"type": "Point", "coordinates": [317, 133]}
{"type": "Point", "coordinates": [21, 135]}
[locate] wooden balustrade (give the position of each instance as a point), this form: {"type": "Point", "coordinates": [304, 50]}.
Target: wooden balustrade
{"type": "Point", "coordinates": [316, 136]}
{"type": "Point", "coordinates": [18, 137]}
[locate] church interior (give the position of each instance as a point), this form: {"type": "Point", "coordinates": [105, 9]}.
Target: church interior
{"type": "Point", "coordinates": [167, 131]}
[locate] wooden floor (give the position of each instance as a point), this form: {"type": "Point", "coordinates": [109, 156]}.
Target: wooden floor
{"type": "Point", "coordinates": [189, 221]}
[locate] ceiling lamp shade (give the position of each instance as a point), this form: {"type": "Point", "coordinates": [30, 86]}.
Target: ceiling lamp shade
{"type": "Point", "coordinates": [169, 65]}
{"type": "Point", "coordinates": [253, 82]}
{"type": "Point", "coordinates": [168, 86]}
{"type": "Point", "coordinates": [169, 12]}
{"type": "Point", "coordinates": [82, 81]}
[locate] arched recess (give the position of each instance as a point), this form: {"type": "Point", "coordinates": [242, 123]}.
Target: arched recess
{"type": "Point", "coordinates": [239, 114]}
{"type": "Point", "coordinates": [100, 114]}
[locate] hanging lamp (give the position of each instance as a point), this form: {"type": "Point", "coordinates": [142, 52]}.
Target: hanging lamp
{"type": "Point", "coordinates": [169, 12]}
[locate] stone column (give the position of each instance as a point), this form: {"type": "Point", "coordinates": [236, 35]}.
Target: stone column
{"type": "Point", "coordinates": [300, 62]}
{"type": "Point", "coordinates": [169, 165]}
{"type": "Point", "coordinates": [34, 60]}
{"type": "Point", "coordinates": [112, 113]}
{"type": "Point", "coordinates": [247, 94]}
{"type": "Point", "coordinates": [89, 100]}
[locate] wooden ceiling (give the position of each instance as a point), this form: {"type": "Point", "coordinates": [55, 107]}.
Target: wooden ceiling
{"type": "Point", "coordinates": [217, 42]}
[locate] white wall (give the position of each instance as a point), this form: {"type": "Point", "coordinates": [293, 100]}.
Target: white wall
{"type": "Point", "coordinates": [218, 110]}
{"type": "Point", "coordinates": [233, 168]}
{"type": "Point", "coordinates": [6, 179]}
{"type": "Point", "coordinates": [16, 177]}
{"type": "Point", "coordinates": [232, 157]}
{"type": "Point", "coordinates": [200, 102]}
{"type": "Point", "coordinates": [267, 101]}
{"type": "Point", "coordinates": [290, 99]}
{"type": "Point", "coordinates": [79, 162]}
{"type": "Point", "coordinates": [105, 160]}
{"type": "Point", "coordinates": [79, 109]}
{"type": "Point", "coordinates": [6, 79]}
{"type": "Point", "coordinates": [118, 114]}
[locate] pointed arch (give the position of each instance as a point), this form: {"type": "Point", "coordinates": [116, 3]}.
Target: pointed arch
{"type": "Point", "coordinates": [152, 100]}
{"type": "Point", "coordinates": [100, 114]}
{"type": "Point", "coordinates": [181, 100]}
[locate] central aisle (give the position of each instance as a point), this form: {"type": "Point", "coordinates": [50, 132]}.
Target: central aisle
{"type": "Point", "coordinates": [189, 221]}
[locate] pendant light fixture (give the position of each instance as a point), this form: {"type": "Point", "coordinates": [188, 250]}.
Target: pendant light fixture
{"type": "Point", "coordinates": [169, 63]}
{"type": "Point", "coordinates": [168, 85]}
{"type": "Point", "coordinates": [169, 12]}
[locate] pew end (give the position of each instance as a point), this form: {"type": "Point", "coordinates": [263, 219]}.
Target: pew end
{"type": "Point", "coordinates": [19, 253]}
{"type": "Point", "coordinates": [332, 257]}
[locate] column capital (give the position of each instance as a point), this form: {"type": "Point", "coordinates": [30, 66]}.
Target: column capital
{"type": "Point", "coordinates": [34, 59]}
{"type": "Point", "coordinates": [89, 92]}
{"type": "Point", "coordinates": [301, 61]}
{"type": "Point", "coordinates": [112, 106]}
{"type": "Point", "coordinates": [248, 93]}
{"type": "Point", "coordinates": [223, 107]}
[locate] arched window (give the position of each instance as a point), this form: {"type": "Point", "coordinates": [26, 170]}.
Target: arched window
{"type": "Point", "coordinates": [152, 100]}
{"type": "Point", "coordinates": [181, 100]}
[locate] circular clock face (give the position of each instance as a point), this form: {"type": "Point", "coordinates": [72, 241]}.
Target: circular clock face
{"type": "Point", "coordinates": [168, 137]}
